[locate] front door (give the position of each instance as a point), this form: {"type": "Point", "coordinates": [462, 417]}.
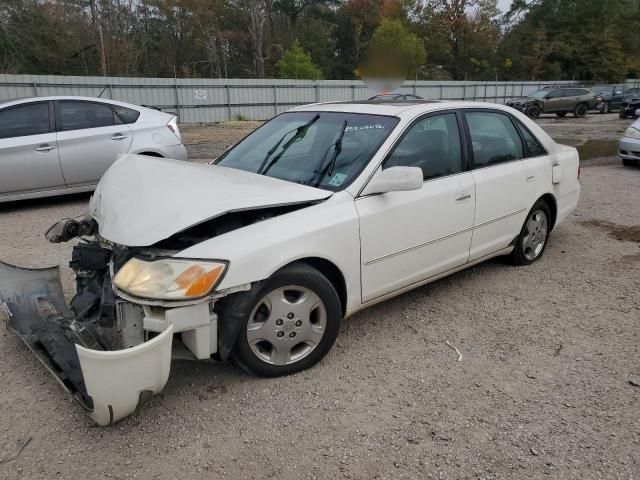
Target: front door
{"type": "Point", "coordinates": [407, 237]}
{"type": "Point", "coordinates": [28, 150]}
{"type": "Point", "coordinates": [89, 140]}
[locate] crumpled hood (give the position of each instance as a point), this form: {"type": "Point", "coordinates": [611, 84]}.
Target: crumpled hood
{"type": "Point", "coordinates": [142, 200]}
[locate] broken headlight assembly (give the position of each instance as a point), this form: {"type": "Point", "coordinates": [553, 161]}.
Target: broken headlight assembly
{"type": "Point", "coordinates": [169, 278]}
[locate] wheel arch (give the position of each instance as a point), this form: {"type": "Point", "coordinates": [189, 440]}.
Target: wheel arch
{"type": "Point", "coordinates": [331, 271]}
{"type": "Point", "coordinates": [550, 200]}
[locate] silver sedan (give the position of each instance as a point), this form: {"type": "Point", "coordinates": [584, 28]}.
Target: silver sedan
{"type": "Point", "coordinates": [58, 145]}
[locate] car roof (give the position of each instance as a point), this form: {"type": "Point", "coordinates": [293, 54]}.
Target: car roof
{"type": "Point", "coordinates": [17, 101]}
{"type": "Point", "coordinates": [396, 109]}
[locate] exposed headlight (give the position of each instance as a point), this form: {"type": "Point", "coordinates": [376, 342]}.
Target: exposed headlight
{"type": "Point", "coordinates": [632, 133]}
{"type": "Point", "coordinates": [169, 278]}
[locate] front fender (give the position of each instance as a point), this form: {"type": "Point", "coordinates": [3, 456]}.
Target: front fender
{"type": "Point", "coordinates": [328, 230]}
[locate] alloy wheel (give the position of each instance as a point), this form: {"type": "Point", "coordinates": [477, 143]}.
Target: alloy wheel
{"type": "Point", "coordinates": [535, 235]}
{"type": "Point", "coordinates": [286, 325]}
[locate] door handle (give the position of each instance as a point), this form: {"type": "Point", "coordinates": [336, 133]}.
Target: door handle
{"type": "Point", "coordinates": [118, 136]}
{"type": "Point", "coordinates": [463, 197]}
{"type": "Point", "coordinates": [44, 148]}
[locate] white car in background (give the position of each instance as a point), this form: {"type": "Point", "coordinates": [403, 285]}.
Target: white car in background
{"type": "Point", "coordinates": [629, 145]}
{"type": "Point", "coordinates": [57, 145]}
{"type": "Point", "coordinates": [323, 211]}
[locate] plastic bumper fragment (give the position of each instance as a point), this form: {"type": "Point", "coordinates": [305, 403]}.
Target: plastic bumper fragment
{"type": "Point", "coordinates": [109, 384]}
{"type": "Point", "coordinates": [119, 381]}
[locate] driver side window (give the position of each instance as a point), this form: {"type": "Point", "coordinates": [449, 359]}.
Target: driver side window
{"type": "Point", "coordinates": [432, 144]}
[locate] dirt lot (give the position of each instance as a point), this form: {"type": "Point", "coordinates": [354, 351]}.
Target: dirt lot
{"type": "Point", "coordinates": [544, 389]}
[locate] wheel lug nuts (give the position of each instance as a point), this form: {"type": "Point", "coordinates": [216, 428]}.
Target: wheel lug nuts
{"type": "Point", "coordinates": [279, 322]}
{"type": "Point", "coordinates": [289, 315]}
{"type": "Point", "coordinates": [298, 323]}
{"type": "Point", "coordinates": [292, 334]}
{"type": "Point", "coordinates": [280, 334]}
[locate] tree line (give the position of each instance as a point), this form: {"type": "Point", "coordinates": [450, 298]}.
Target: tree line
{"type": "Point", "coordinates": [595, 40]}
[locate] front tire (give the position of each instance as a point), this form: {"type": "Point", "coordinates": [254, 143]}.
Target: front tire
{"type": "Point", "coordinates": [580, 110]}
{"type": "Point", "coordinates": [533, 112]}
{"type": "Point", "coordinates": [532, 240]}
{"type": "Point", "coordinates": [290, 322]}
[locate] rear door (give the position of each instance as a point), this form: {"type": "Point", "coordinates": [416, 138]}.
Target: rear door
{"type": "Point", "coordinates": [28, 149]}
{"type": "Point", "coordinates": [505, 183]}
{"type": "Point", "coordinates": [90, 138]}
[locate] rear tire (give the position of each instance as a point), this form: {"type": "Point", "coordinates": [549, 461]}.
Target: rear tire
{"type": "Point", "coordinates": [532, 240]}
{"type": "Point", "coordinates": [580, 111]}
{"type": "Point", "coordinates": [290, 322]}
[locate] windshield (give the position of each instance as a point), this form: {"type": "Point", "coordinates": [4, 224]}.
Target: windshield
{"type": "Point", "coordinates": [539, 93]}
{"type": "Point", "coordinates": [323, 149]}
{"type": "Point", "coordinates": [601, 89]}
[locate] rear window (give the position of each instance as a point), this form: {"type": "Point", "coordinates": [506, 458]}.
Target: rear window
{"type": "Point", "coordinates": [127, 115]}
{"type": "Point", "coordinates": [76, 115]}
{"type": "Point", "coordinates": [24, 120]}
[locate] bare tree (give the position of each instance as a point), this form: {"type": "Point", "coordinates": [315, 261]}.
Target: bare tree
{"type": "Point", "coordinates": [257, 11]}
{"type": "Point", "coordinates": [97, 24]}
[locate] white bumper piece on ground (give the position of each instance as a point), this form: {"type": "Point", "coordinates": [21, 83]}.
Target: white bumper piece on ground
{"type": "Point", "coordinates": [118, 381]}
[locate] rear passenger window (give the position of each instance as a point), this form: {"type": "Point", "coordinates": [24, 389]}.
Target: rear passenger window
{"type": "Point", "coordinates": [80, 115]}
{"type": "Point", "coordinates": [127, 115]}
{"type": "Point", "coordinates": [432, 144]}
{"type": "Point", "coordinates": [494, 138]}
{"type": "Point", "coordinates": [30, 119]}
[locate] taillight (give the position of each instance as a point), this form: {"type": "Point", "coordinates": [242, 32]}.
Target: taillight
{"type": "Point", "coordinates": [173, 126]}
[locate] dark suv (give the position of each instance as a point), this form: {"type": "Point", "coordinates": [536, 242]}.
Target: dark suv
{"type": "Point", "coordinates": [630, 103]}
{"type": "Point", "coordinates": [608, 97]}
{"type": "Point", "coordinates": [560, 100]}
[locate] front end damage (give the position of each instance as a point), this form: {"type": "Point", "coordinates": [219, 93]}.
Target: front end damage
{"type": "Point", "coordinates": [112, 348]}
{"type": "Point", "coordinates": [109, 352]}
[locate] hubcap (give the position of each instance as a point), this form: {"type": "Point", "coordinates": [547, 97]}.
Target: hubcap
{"type": "Point", "coordinates": [535, 235]}
{"type": "Point", "coordinates": [286, 325]}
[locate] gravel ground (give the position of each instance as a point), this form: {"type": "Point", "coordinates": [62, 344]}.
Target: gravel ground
{"type": "Point", "coordinates": [544, 388]}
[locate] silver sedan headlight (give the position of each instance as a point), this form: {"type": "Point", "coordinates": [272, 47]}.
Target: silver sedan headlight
{"type": "Point", "coordinates": [632, 133]}
{"type": "Point", "coordinates": [169, 278]}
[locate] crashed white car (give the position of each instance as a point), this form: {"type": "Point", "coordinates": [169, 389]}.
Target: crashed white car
{"type": "Point", "coordinates": [323, 211]}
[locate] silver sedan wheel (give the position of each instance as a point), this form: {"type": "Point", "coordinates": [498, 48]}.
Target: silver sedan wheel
{"type": "Point", "coordinates": [286, 325]}
{"type": "Point", "coordinates": [535, 235]}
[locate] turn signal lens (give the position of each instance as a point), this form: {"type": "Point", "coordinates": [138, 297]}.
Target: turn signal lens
{"type": "Point", "coordinates": [204, 283]}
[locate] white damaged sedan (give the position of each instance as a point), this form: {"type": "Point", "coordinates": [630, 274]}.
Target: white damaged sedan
{"type": "Point", "coordinates": [321, 212]}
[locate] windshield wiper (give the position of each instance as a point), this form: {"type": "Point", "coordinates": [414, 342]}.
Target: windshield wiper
{"type": "Point", "coordinates": [337, 148]}
{"type": "Point", "coordinates": [301, 131]}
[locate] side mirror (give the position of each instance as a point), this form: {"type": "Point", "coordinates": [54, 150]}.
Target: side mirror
{"type": "Point", "coordinates": [395, 179]}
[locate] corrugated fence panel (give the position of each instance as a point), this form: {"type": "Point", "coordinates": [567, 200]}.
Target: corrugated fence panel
{"type": "Point", "coordinates": [201, 100]}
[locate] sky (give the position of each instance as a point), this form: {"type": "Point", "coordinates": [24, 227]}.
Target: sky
{"type": "Point", "coordinates": [504, 5]}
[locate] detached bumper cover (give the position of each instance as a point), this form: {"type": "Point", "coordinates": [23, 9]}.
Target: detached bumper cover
{"type": "Point", "coordinates": [109, 384]}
